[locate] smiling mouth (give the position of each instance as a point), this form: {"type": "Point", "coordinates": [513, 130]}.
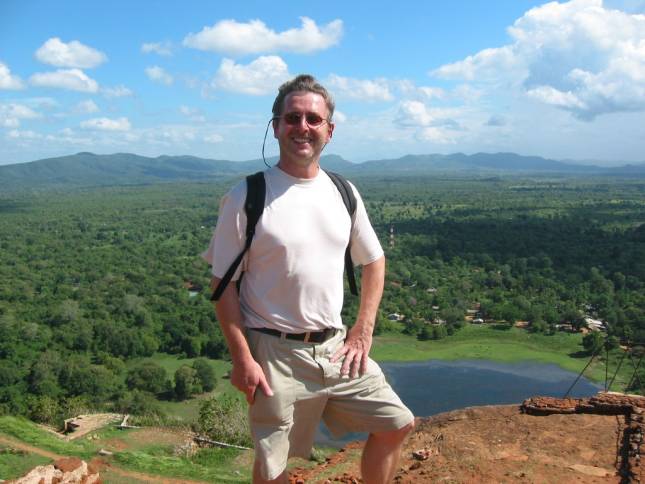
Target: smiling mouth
{"type": "Point", "coordinates": [302, 140]}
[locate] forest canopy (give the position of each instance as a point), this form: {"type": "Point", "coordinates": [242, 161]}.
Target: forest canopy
{"type": "Point", "coordinates": [97, 279]}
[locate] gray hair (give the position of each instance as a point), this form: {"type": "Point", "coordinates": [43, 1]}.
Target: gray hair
{"type": "Point", "coordinates": [302, 82]}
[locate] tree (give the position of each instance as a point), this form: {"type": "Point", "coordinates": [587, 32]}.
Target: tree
{"type": "Point", "coordinates": [205, 374]}
{"type": "Point", "coordinates": [149, 377]}
{"type": "Point", "coordinates": [186, 382]}
{"type": "Point", "coordinates": [592, 342]}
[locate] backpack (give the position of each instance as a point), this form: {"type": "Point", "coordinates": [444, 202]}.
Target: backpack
{"type": "Point", "coordinates": [254, 206]}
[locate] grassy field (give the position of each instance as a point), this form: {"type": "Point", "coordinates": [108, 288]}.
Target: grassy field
{"type": "Point", "coordinates": [187, 410]}
{"type": "Point", "coordinates": [15, 463]}
{"type": "Point", "coordinates": [149, 451]}
{"type": "Point", "coordinates": [500, 345]}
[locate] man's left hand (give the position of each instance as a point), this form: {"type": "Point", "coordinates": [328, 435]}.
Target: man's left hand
{"type": "Point", "coordinates": [355, 351]}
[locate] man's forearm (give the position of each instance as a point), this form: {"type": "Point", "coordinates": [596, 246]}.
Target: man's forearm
{"type": "Point", "coordinates": [247, 375]}
{"type": "Point", "coordinates": [229, 316]}
{"type": "Point", "coordinates": [372, 281]}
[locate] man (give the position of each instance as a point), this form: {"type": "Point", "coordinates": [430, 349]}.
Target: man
{"type": "Point", "coordinates": [292, 356]}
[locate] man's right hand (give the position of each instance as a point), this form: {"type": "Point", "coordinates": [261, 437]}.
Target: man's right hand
{"type": "Point", "coordinates": [248, 377]}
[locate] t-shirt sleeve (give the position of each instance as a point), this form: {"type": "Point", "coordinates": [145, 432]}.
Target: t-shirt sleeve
{"type": "Point", "coordinates": [365, 246]}
{"type": "Point", "coordinates": [229, 235]}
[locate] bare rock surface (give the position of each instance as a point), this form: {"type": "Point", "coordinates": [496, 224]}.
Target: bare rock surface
{"type": "Point", "coordinates": [66, 470]}
{"type": "Point", "coordinates": [594, 440]}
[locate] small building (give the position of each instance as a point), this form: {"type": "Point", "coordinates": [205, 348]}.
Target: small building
{"type": "Point", "coordinates": [595, 324]}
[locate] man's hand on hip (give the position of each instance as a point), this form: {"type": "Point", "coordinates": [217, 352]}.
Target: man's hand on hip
{"type": "Point", "coordinates": [355, 351]}
{"type": "Point", "coordinates": [248, 377]}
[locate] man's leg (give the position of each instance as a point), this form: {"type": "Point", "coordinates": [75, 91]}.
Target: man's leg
{"type": "Point", "coordinates": [381, 455]}
{"type": "Point", "coordinates": [258, 479]}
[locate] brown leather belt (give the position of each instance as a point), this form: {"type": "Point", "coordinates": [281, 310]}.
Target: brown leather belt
{"type": "Point", "coordinates": [308, 337]}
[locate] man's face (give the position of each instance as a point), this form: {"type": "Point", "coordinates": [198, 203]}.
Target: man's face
{"type": "Point", "coordinates": [301, 140]}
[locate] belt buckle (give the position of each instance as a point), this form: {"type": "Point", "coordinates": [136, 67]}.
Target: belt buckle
{"type": "Point", "coordinates": [306, 338]}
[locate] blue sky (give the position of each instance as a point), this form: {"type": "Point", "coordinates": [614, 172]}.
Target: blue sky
{"type": "Point", "coordinates": [563, 80]}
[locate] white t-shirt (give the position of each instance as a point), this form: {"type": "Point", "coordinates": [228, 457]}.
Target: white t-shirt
{"type": "Point", "coordinates": [293, 279]}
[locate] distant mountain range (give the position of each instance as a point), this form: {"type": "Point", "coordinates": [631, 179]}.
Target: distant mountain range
{"type": "Point", "coordinates": [89, 169]}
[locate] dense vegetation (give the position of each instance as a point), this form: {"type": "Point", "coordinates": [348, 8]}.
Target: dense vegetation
{"type": "Point", "coordinates": [93, 281]}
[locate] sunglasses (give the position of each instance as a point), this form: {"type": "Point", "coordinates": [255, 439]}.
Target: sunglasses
{"type": "Point", "coordinates": [312, 119]}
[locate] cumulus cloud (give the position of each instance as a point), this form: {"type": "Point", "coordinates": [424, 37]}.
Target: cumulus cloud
{"type": "Point", "coordinates": [107, 124]}
{"type": "Point", "coordinates": [8, 80]}
{"type": "Point", "coordinates": [436, 125]}
{"type": "Point", "coordinates": [238, 38]}
{"type": "Point", "coordinates": [262, 76]}
{"type": "Point", "coordinates": [73, 54]}
{"type": "Point", "coordinates": [487, 64]}
{"type": "Point", "coordinates": [86, 107]}
{"type": "Point", "coordinates": [11, 114]}
{"type": "Point", "coordinates": [414, 113]}
{"type": "Point", "coordinates": [158, 74]}
{"type": "Point", "coordinates": [71, 79]}
{"type": "Point", "coordinates": [160, 48]}
{"type": "Point", "coordinates": [116, 91]}
{"type": "Point", "coordinates": [579, 56]}
{"type": "Point", "coordinates": [363, 89]}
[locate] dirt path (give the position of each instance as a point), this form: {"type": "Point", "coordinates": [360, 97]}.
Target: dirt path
{"type": "Point", "coordinates": [100, 465]}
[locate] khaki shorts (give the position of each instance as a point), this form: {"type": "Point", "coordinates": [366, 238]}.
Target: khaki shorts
{"type": "Point", "coordinates": [308, 387]}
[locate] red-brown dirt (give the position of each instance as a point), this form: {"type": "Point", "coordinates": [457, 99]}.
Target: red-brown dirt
{"type": "Point", "coordinates": [503, 444]}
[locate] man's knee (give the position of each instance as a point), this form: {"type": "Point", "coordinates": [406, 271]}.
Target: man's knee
{"type": "Point", "coordinates": [394, 436]}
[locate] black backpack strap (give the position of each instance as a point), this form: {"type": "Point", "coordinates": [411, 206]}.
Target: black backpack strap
{"type": "Point", "coordinates": [349, 200]}
{"type": "Point", "coordinates": [253, 207]}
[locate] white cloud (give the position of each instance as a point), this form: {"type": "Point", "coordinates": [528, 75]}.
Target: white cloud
{"type": "Point", "coordinates": [11, 114]}
{"type": "Point", "coordinates": [339, 116]}
{"type": "Point", "coordinates": [437, 135]}
{"type": "Point", "coordinates": [550, 95]}
{"type": "Point", "coordinates": [161, 48]}
{"type": "Point", "coordinates": [579, 56]}
{"type": "Point", "coordinates": [71, 79]}
{"type": "Point", "coordinates": [8, 80]}
{"type": "Point", "coordinates": [214, 138]}
{"type": "Point", "coordinates": [364, 89]}
{"type": "Point", "coordinates": [254, 37]}
{"type": "Point", "coordinates": [107, 124]}
{"type": "Point", "coordinates": [435, 125]}
{"type": "Point", "coordinates": [485, 65]}
{"type": "Point", "coordinates": [432, 92]}
{"type": "Point", "coordinates": [157, 74]}
{"type": "Point", "coordinates": [23, 134]}
{"type": "Point", "coordinates": [414, 113]}
{"type": "Point", "coordinates": [86, 107]}
{"type": "Point", "coordinates": [73, 54]}
{"type": "Point", "coordinates": [262, 76]}
{"type": "Point", "coordinates": [116, 91]}
{"type": "Point", "coordinates": [193, 114]}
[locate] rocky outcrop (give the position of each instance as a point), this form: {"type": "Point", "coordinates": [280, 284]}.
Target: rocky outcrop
{"type": "Point", "coordinates": [68, 470]}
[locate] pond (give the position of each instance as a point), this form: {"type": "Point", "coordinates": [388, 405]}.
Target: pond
{"type": "Point", "coordinates": [434, 386]}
